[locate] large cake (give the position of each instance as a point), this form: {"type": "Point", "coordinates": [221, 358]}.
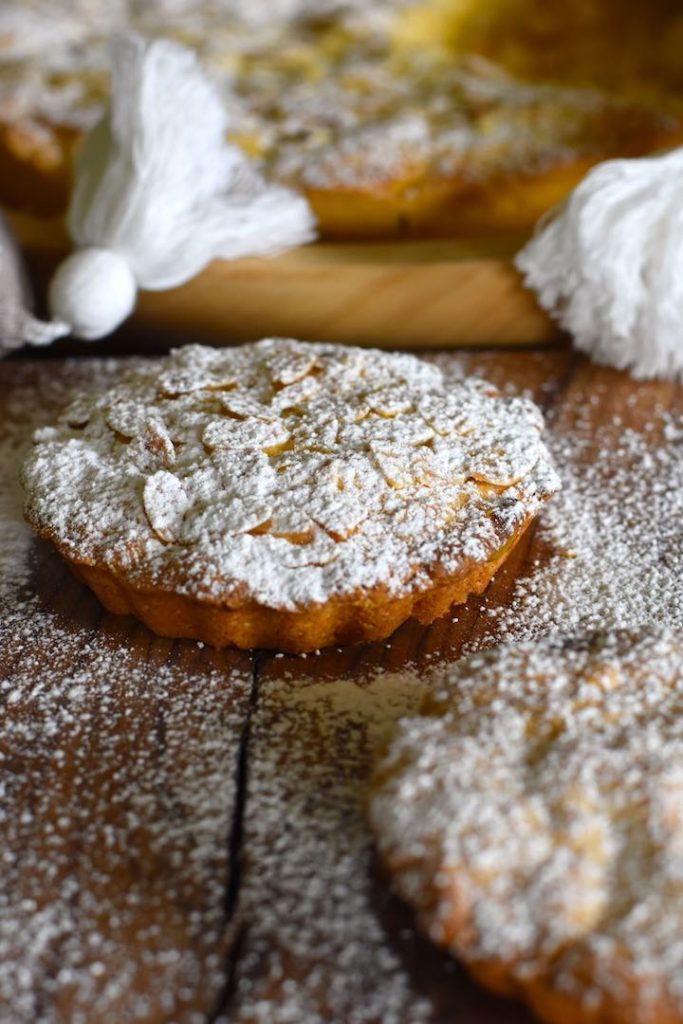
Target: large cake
{"type": "Point", "coordinates": [393, 117]}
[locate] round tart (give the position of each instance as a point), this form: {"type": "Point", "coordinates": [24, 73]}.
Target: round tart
{"type": "Point", "coordinates": [533, 816]}
{"type": "Point", "coordinates": [288, 495]}
{"type": "Point", "coordinates": [437, 117]}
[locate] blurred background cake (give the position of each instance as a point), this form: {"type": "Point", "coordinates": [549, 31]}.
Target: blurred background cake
{"type": "Point", "coordinates": [449, 117]}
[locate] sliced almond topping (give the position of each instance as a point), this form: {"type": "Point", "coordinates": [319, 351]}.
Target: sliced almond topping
{"type": "Point", "coordinates": [166, 502]}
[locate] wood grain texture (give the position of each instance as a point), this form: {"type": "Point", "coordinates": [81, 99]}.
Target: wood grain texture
{"type": "Point", "coordinates": [119, 795]}
{"type": "Point", "coordinates": [184, 831]}
{"type": "Point", "coordinates": [397, 294]}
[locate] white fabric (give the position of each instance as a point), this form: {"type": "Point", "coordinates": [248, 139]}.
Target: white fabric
{"type": "Point", "coordinates": [609, 265]}
{"type": "Point", "coordinates": [156, 183]}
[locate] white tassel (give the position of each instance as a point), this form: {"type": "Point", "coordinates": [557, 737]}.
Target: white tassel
{"type": "Point", "coordinates": [609, 265]}
{"type": "Point", "coordinates": [158, 193]}
{"type": "Point", "coordinates": [17, 324]}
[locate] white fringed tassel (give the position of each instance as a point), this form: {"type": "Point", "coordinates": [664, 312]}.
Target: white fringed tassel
{"type": "Point", "coordinates": [158, 193]}
{"type": "Point", "coordinates": [17, 324]}
{"type": "Point", "coordinates": [609, 265]}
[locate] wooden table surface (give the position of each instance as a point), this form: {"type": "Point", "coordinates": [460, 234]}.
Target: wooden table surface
{"type": "Point", "coordinates": [183, 829]}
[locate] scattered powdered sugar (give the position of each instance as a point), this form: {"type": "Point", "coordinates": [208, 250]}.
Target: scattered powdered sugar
{"type": "Point", "coordinates": [307, 893]}
{"type": "Point", "coordinates": [122, 799]}
{"type": "Point", "coordinates": [599, 544]}
{"type": "Point", "coordinates": [117, 780]}
{"type": "Point", "coordinates": [611, 542]}
{"type": "Point", "coordinates": [288, 473]}
{"type": "Point", "coordinates": [533, 814]}
{"type": "Point", "coordinates": [315, 945]}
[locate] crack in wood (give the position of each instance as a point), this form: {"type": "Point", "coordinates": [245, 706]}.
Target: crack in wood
{"type": "Point", "coordinates": [235, 850]}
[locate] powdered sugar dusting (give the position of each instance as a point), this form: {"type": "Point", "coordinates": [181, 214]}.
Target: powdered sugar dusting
{"type": "Point", "coordinates": [307, 893]}
{"type": "Point", "coordinates": [598, 544]}
{"type": "Point", "coordinates": [610, 544]}
{"type": "Point", "coordinates": [533, 816]}
{"type": "Point", "coordinates": [288, 473]}
{"type": "Point", "coordinates": [117, 782]}
{"type": "Point", "coordinates": [607, 549]}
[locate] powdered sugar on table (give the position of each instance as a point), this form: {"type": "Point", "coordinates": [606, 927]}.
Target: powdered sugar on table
{"type": "Point", "coordinates": [607, 551]}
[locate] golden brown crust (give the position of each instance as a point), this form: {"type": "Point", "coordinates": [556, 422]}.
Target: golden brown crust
{"type": "Point", "coordinates": [443, 207]}
{"type": "Point", "coordinates": [36, 174]}
{"type": "Point", "coordinates": [358, 618]}
{"type": "Point", "coordinates": [556, 1007]}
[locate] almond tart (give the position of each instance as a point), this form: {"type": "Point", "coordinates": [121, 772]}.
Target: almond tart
{"type": "Point", "coordinates": [287, 495]}
{"type": "Point", "coordinates": [438, 117]}
{"type": "Point", "coordinates": [532, 814]}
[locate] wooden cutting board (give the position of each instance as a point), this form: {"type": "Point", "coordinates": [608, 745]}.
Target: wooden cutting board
{"type": "Point", "coordinates": [426, 294]}
{"type": "Point", "coordinates": [183, 830]}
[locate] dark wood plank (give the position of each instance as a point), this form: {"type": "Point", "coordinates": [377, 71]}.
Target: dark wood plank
{"type": "Point", "coordinates": [119, 756]}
